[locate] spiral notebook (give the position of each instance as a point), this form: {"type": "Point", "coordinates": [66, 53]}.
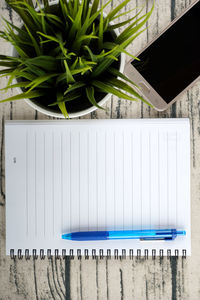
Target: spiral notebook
{"type": "Point", "coordinates": [66, 176]}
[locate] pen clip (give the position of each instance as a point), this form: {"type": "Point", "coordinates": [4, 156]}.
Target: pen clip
{"type": "Point", "coordinates": [156, 239]}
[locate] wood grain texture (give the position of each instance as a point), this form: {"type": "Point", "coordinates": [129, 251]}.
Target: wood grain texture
{"type": "Point", "coordinates": [101, 279]}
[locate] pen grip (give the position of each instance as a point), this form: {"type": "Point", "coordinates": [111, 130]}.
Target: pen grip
{"type": "Point", "coordinates": [90, 236]}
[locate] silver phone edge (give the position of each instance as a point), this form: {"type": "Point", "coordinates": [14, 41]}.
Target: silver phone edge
{"type": "Point", "coordinates": [152, 96]}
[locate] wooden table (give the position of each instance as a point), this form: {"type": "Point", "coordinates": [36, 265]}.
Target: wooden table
{"type": "Point", "coordinates": [109, 279]}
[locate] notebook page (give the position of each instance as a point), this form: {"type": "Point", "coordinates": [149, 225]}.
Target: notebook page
{"type": "Point", "coordinates": [65, 176]}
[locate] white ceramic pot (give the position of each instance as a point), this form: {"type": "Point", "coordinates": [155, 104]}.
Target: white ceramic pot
{"type": "Point", "coordinates": [48, 112]}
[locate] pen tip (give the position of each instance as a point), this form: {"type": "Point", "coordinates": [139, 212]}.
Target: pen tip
{"type": "Point", "coordinates": [181, 232]}
{"type": "Point", "coordinates": [66, 236]}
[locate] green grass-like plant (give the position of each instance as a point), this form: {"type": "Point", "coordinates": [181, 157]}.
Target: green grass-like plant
{"type": "Point", "coordinates": [69, 53]}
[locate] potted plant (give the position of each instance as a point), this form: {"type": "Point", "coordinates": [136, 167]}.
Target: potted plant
{"type": "Point", "coordinates": [68, 56]}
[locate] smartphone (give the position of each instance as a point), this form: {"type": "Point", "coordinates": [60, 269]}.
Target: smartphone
{"type": "Point", "coordinates": [170, 64]}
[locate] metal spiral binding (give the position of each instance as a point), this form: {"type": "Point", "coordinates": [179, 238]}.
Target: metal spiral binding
{"type": "Point", "coordinates": [63, 253]}
{"type": "Point", "coordinates": [71, 254]}
{"type": "Point", "coordinates": [123, 256]}
{"type": "Point", "coordinates": [161, 254]}
{"type": "Point", "coordinates": [108, 254]}
{"type": "Point", "coordinates": [116, 254]}
{"type": "Point", "coordinates": [93, 254]}
{"type": "Point", "coordinates": [184, 253]}
{"type": "Point", "coordinates": [176, 253]}
{"type": "Point", "coordinates": [79, 256]}
{"type": "Point", "coordinates": [49, 253]}
{"type": "Point", "coordinates": [27, 255]}
{"type": "Point", "coordinates": [42, 256]}
{"type": "Point", "coordinates": [86, 254]}
{"type": "Point", "coordinates": [57, 256]}
{"type": "Point", "coordinates": [154, 254]}
{"type": "Point", "coordinates": [101, 255]}
{"type": "Point", "coordinates": [146, 254]}
{"type": "Point", "coordinates": [12, 254]}
{"type": "Point", "coordinates": [138, 256]}
{"type": "Point", "coordinates": [35, 256]}
{"type": "Point", "coordinates": [19, 254]}
{"type": "Point", "coordinates": [131, 253]}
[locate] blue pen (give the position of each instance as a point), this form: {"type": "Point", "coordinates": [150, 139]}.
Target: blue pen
{"type": "Point", "coordinates": [147, 235]}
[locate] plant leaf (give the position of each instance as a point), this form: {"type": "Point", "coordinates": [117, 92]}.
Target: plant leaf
{"type": "Point", "coordinates": [48, 63]}
{"type": "Point", "coordinates": [62, 77]}
{"type": "Point", "coordinates": [81, 70]}
{"type": "Point", "coordinates": [22, 32]}
{"type": "Point", "coordinates": [123, 85]}
{"type": "Point", "coordinates": [116, 9]}
{"type": "Point", "coordinates": [117, 73]}
{"type": "Point", "coordinates": [46, 5]}
{"type": "Point", "coordinates": [111, 27]}
{"type": "Point", "coordinates": [26, 95]}
{"type": "Point", "coordinates": [108, 61]}
{"type": "Point", "coordinates": [92, 56]}
{"type": "Point", "coordinates": [68, 98]}
{"type": "Point", "coordinates": [61, 104]}
{"type": "Point", "coordinates": [7, 71]}
{"type": "Point", "coordinates": [101, 22]}
{"type": "Point", "coordinates": [40, 80]}
{"type": "Point", "coordinates": [95, 6]}
{"type": "Point", "coordinates": [96, 14]}
{"type": "Point", "coordinates": [21, 12]}
{"type": "Point", "coordinates": [86, 9]}
{"type": "Point", "coordinates": [9, 64]}
{"type": "Point", "coordinates": [35, 44]}
{"type": "Point", "coordinates": [77, 23]}
{"type": "Point", "coordinates": [6, 57]}
{"type": "Point", "coordinates": [74, 86]}
{"type": "Point", "coordinates": [69, 76]}
{"type": "Point", "coordinates": [109, 89]}
{"type": "Point", "coordinates": [64, 9]}
{"type": "Point", "coordinates": [124, 14]}
{"type": "Point", "coordinates": [49, 37]}
{"type": "Point", "coordinates": [21, 84]}
{"type": "Point", "coordinates": [129, 54]}
{"type": "Point", "coordinates": [129, 31]}
{"type": "Point", "coordinates": [91, 98]}
{"type": "Point", "coordinates": [33, 21]}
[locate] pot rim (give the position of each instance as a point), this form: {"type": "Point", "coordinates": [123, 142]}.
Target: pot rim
{"type": "Point", "coordinates": [81, 112]}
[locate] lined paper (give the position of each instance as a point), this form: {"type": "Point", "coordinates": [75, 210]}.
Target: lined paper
{"type": "Point", "coordinates": [65, 176]}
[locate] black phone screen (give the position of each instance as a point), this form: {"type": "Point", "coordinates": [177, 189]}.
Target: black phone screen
{"type": "Point", "coordinates": [172, 62]}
